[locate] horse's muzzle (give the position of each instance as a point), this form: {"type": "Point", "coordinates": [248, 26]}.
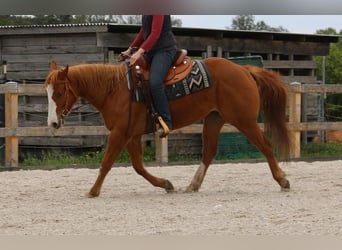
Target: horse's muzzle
{"type": "Point", "coordinates": [58, 124]}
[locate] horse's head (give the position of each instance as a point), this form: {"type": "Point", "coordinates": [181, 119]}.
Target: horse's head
{"type": "Point", "coordinates": [61, 96]}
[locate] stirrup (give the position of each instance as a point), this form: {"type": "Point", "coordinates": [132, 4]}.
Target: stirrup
{"type": "Point", "coordinates": [165, 129]}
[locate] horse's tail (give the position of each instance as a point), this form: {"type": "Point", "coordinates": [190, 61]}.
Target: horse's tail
{"type": "Point", "coordinates": [273, 94]}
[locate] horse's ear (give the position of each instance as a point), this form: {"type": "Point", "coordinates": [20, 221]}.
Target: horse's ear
{"type": "Point", "coordinates": [63, 72]}
{"type": "Point", "coordinates": [53, 65]}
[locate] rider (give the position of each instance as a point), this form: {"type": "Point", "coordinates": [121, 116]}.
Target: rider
{"type": "Point", "coordinates": [156, 41]}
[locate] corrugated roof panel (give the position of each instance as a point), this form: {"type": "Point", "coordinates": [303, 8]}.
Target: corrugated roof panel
{"type": "Point", "coordinates": [53, 28]}
{"type": "Point", "coordinates": [129, 28]}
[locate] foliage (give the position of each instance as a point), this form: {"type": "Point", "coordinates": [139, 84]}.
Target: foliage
{"type": "Point", "coordinates": [312, 150]}
{"type": "Point", "coordinates": [319, 150]}
{"type": "Point", "coordinates": [89, 157]}
{"type": "Point", "coordinates": [95, 157]}
{"type": "Point", "coordinates": [333, 61]}
{"type": "Point", "coordinates": [247, 22]}
{"type": "Point", "coordinates": [333, 74]}
{"type": "Point", "coordinates": [243, 22]}
{"type": "Point", "coordinates": [69, 19]}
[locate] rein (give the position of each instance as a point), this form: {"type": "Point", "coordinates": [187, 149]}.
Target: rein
{"type": "Point", "coordinates": [66, 111]}
{"type": "Point", "coordinates": [68, 88]}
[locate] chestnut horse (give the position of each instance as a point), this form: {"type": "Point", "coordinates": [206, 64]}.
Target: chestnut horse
{"type": "Point", "coordinates": [237, 95]}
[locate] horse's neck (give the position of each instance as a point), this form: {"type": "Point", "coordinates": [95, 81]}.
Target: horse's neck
{"type": "Point", "coordinates": [94, 98]}
{"type": "Point", "coordinates": [85, 91]}
{"type": "Point", "coordinates": [96, 88]}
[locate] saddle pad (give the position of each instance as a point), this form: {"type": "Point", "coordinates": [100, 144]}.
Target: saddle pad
{"type": "Point", "coordinates": [197, 80]}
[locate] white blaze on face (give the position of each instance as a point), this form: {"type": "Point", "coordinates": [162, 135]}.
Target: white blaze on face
{"type": "Point", "coordinates": [52, 115]}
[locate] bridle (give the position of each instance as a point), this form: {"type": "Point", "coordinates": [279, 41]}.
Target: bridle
{"type": "Point", "coordinates": [67, 109]}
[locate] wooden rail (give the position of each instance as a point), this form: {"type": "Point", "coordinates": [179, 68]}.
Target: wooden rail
{"type": "Point", "coordinates": [12, 132]}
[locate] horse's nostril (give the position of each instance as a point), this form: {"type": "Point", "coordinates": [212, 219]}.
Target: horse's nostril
{"type": "Point", "coordinates": [55, 125]}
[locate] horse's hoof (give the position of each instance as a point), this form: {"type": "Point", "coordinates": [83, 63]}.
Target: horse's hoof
{"type": "Point", "coordinates": [91, 195]}
{"type": "Point", "coordinates": [286, 187]}
{"type": "Point", "coordinates": [190, 189]}
{"type": "Point", "coordinates": [169, 187]}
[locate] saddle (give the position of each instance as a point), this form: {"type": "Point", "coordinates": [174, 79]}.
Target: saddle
{"type": "Point", "coordinates": [179, 69]}
{"type": "Point", "coordinates": [140, 73]}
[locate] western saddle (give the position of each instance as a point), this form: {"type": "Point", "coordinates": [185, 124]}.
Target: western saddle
{"type": "Point", "coordinates": [180, 68]}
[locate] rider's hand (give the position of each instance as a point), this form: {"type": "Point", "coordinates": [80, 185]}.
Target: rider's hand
{"type": "Point", "coordinates": [136, 56]}
{"type": "Point", "coordinates": [125, 54]}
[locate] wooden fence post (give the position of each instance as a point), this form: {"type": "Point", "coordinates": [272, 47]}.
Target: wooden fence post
{"type": "Point", "coordinates": [219, 52]}
{"type": "Point", "coordinates": [161, 149]}
{"type": "Point", "coordinates": [11, 121]}
{"type": "Point", "coordinates": [209, 51]}
{"type": "Point", "coordinates": [295, 115]}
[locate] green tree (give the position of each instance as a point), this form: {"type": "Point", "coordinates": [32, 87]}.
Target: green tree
{"type": "Point", "coordinates": [51, 19]}
{"type": "Point", "coordinates": [15, 20]}
{"type": "Point", "coordinates": [243, 22]}
{"type": "Point", "coordinates": [176, 22]}
{"type": "Point", "coordinates": [333, 61]}
{"type": "Point", "coordinates": [66, 19]}
{"type": "Point", "coordinates": [6, 20]}
{"type": "Point", "coordinates": [333, 74]}
{"type": "Point", "coordinates": [327, 31]}
{"type": "Point", "coordinates": [136, 19]}
{"type": "Point", "coordinates": [247, 22]}
{"type": "Point", "coordinates": [38, 19]}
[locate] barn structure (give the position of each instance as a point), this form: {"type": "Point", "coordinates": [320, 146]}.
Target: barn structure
{"type": "Point", "coordinates": [27, 51]}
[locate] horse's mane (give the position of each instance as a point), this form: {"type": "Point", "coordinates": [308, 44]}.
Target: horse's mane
{"type": "Point", "coordinates": [106, 77]}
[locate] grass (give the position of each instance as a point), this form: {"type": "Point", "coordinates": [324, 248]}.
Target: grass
{"type": "Point", "coordinates": [63, 159]}
{"type": "Point", "coordinates": [319, 150]}
{"type": "Point", "coordinates": [88, 157]}
{"type": "Point", "coordinates": [312, 150]}
{"type": "Point", "coordinates": [94, 157]}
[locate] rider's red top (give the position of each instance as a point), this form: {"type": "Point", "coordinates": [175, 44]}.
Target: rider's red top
{"type": "Point", "coordinates": [152, 38]}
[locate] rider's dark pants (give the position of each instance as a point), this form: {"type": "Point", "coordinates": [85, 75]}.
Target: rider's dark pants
{"type": "Point", "coordinates": [160, 64]}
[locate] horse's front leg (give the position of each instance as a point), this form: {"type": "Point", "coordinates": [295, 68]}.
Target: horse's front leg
{"type": "Point", "coordinates": [115, 144]}
{"type": "Point", "coordinates": [135, 150]}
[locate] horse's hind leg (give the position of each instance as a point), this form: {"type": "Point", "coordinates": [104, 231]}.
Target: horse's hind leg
{"type": "Point", "coordinates": [135, 150]}
{"type": "Point", "coordinates": [260, 140]}
{"type": "Point", "coordinates": [211, 130]}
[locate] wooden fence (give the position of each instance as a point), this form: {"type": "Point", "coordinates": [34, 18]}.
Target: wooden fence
{"type": "Point", "coordinates": [12, 132]}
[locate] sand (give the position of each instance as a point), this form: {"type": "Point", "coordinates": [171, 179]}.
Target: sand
{"type": "Point", "coordinates": [235, 199]}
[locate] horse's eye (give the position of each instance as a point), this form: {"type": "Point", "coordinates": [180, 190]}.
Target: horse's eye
{"type": "Point", "coordinates": [59, 94]}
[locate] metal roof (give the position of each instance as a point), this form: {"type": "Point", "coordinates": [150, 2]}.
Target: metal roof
{"type": "Point", "coordinates": [53, 28]}
{"type": "Point", "coordinates": [178, 31]}
{"type": "Point", "coordinates": [51, 25]}
{"type": "Point", "coordinates": [248, 34]}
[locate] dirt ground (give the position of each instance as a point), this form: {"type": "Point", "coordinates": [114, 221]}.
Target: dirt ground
{"type": "Point", "coordinates": [235, 199]}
